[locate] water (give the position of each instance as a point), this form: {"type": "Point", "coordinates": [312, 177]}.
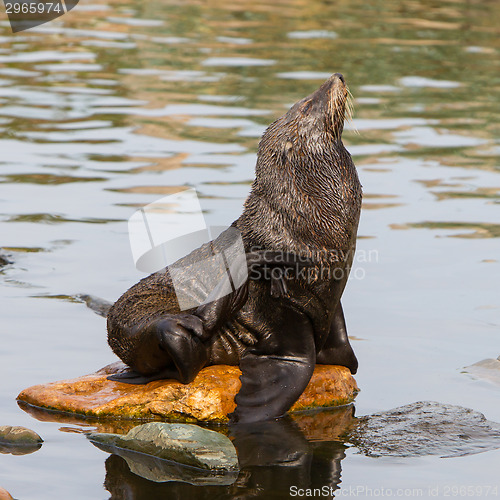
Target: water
{"type": "Point", "coordinates": [118, 103]}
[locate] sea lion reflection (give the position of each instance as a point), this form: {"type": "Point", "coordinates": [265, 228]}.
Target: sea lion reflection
{"type": "Point", "coordinates": [274, 456]}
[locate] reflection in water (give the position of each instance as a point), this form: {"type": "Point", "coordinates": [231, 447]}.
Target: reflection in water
{"type": "Point", "coordinates": [120, 101]}
{"type": "Point", "coordinates": [302, 450]}
{"type": "Point", "coordinates": [274, 457]}
{"type": "Point", "coordinates": [158, 470]}
{"type": "Point", "coordinates": [279, 456]}
{"type": "Point", "coordinates": [27, 449]}
{"type": "Point", "coordinates": [474, 230]}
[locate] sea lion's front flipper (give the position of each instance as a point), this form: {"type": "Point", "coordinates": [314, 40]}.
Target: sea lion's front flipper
{"type": "Point", "coordinates": [337, 350]}
{"type": "Point", "coordinates": [275, 375]}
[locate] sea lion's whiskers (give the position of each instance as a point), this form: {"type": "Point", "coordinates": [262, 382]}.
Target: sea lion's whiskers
{"type": "Point", "coordinates": [331, 108]}
{"type": "Point", "coordinates": [336, 106]}
{"type": "Point", "coordinates": [350, 111]}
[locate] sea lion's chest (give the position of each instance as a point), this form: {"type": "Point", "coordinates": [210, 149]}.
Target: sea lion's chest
{"type": "Point", "coordinates": [265, 314]}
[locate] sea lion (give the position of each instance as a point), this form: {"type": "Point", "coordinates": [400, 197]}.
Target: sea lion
{"type": "Point", "coordinates": [300, 219]}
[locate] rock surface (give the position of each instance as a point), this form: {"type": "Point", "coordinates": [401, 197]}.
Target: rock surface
{"type": "Point", "coordinates": [4, 261]}
{"type": "Point", "coordinates": [184, 444]}
{"type": "Point", "coordinates": [5, 495]}
{"type": "Point", "coordinates": [487, 369]}
{"type": "Point", "coordinates": [12, 434]}
{"type": "Point", "coordinates": [210, 397]}
{"type": "Point", "coordinates": [18, 440]}
{"type": "Point", "coordinates": [424, 428]}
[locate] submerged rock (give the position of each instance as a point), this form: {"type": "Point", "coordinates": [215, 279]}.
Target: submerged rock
{"type": "Point", "coordinates": [425, 428]}
{"type": "Point", "coordinates": [177, 445]}
{"type": "Point", "coordinates": [4, 261]}
{"type": "Point", "coordinates": [182, 443]}
{"type": "Point", "coordinates": [210, 397]}
{"type": "Point", "coordinates": [270, 453]}
{"type": "Point", "coordinates": [18, 440]}
{"type": "Point", "coordinates": [487, 369]}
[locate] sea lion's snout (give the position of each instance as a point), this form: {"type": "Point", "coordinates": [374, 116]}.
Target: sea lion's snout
{"type": "Point", "coordinates": [335, 82]}
{"type": "Point", "coordinates": [312, 126]}
{"type": "Point", "coordinates": [340, 76]}
{"type": "Point", "coordinates": [329, 106]}
{"type": "Point", "coordinates": [335, 90]}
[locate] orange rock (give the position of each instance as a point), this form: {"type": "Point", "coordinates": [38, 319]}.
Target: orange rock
{"type": "Point", "coordinates": [4, 495]}
{"type": "Point", "coordinates": [210, 397]}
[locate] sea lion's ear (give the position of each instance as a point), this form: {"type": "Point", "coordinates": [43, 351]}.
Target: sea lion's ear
{"type": "Point", "coordinates": [286, 151]}
{"type": "Point", "coordinates": [306, 106]}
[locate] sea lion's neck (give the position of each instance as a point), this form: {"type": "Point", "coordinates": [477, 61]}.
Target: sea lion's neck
{"type": "Point", "coordinates": [303, 203]}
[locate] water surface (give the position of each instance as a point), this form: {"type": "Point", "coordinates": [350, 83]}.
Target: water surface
{"type": "Point", "coordinates": [118, 103]}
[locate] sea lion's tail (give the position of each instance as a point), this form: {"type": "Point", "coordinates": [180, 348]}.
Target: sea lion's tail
{"type": "Point", "coordinates": [98, 305]}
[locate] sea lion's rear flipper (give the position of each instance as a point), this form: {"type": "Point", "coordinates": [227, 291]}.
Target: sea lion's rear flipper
{"type": "Point", "coordinates": [133, 377]}
{"type": "Point", "coordinates": [337, 350]}
{"type": "Point", "coordinates": [272, 381]}
{"type": "Point", "coordinates": [170, 347]}
{"type": "Point", "coordinates": [175, 346]}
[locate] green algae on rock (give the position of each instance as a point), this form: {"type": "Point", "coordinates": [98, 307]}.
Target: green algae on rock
{"type": "Point", "coordinates": [18, 440]}
{"type": "Point", "coordinates": [185, 444]}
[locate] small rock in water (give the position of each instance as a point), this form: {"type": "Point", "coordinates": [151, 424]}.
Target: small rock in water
{"type": "Point", "coordinates": [425, 428]}
{"type": "Point", "coordinates": [5, 495]}
{"type": "Point", "coordinates": [488, 369]}
{"type": "Point", "coordinates": [18, 440]}
{"type": "Point", "coordinates": [4, 261]}
{"type": "Point", "coordinates": [184, 444]}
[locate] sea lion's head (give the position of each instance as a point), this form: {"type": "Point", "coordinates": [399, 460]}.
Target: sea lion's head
{"type": "Point", "coordinates": [306, 194]}
{"type": "Point", "coordinates": [311, 126]}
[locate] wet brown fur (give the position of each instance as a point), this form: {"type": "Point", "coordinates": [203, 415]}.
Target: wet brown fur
{"type": "Point", "coordinates": [305, 199]}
